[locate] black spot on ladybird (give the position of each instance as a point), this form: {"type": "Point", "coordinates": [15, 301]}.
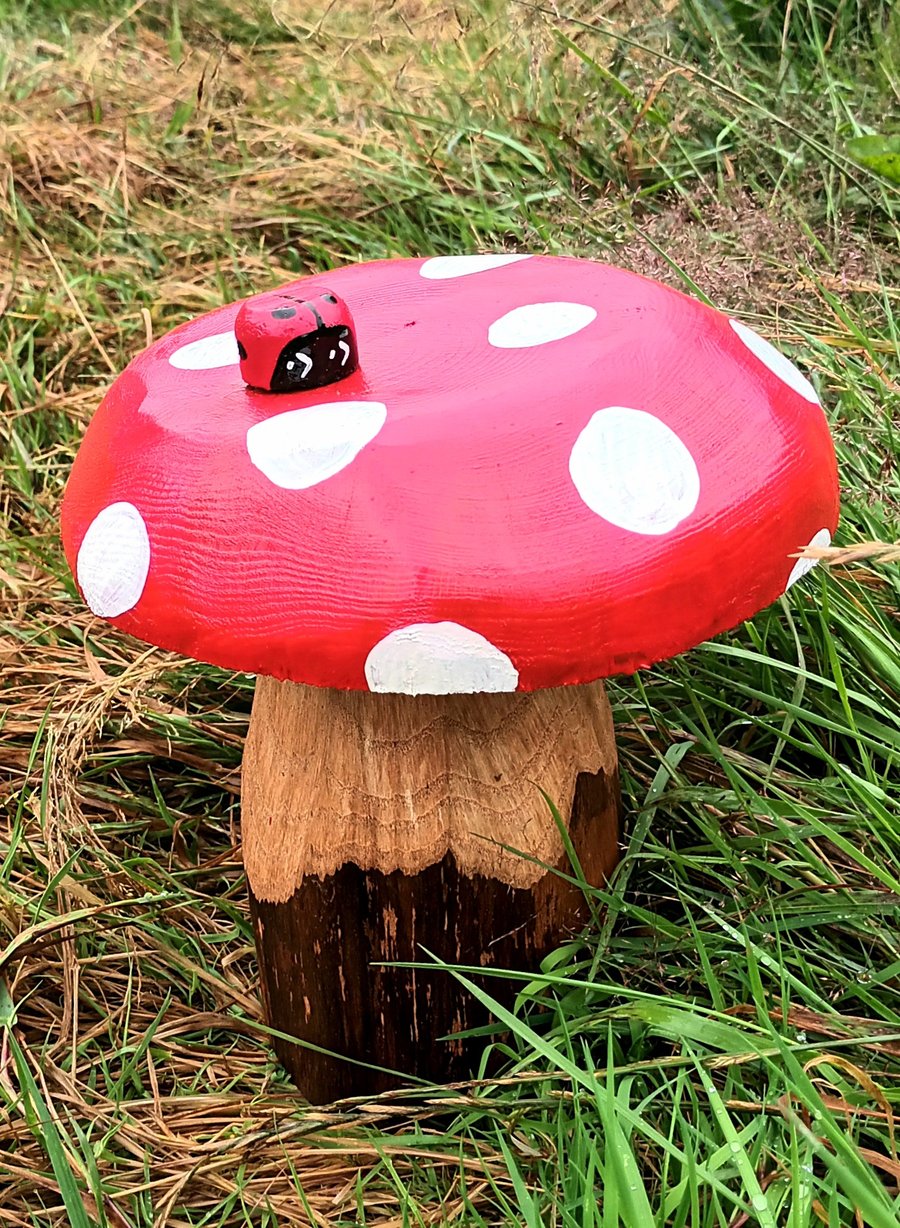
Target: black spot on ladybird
{"type": "Point", "coordinates": [284, 313]}
{"type": "Point", "coordinates": [329, 298]}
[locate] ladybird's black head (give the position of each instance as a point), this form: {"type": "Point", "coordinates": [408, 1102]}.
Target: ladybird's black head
{"type": "Point", "coordinates": [313, 359]}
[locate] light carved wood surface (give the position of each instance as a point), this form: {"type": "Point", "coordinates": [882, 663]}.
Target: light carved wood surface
{"type": "Point", "coordinates": [394, 782]}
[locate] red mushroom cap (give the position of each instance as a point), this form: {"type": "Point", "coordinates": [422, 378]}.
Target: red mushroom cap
{"type": "Point", "coordinates": [544, 471]}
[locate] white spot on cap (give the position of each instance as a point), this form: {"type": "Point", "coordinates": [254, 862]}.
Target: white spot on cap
{"type": "Point", "coordinates": [803, 567]}
{"type": "Point", "coordinates": [775, 361]}
{"type": "Point", "coordinates": [538, 323]}
{"type": "Point", "coordinates": [303, 447]}
{"type": "Point", "coordinates": [439, 268]}
{"type": "Point", "coordinates": [634, 471]}
{"type": "Point", "coordinates": [113, 560]}
{"type": "Point", "coordinates": [438, 659]}
{"type": "Point", "coordinates": [219, 350]}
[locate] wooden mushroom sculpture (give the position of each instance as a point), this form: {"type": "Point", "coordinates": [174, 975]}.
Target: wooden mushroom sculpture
{"type": "Point", "coordinates": [431, 503]}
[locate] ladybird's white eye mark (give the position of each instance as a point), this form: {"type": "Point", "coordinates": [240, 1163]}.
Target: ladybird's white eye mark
{"type": "Point", "coordinates": [803, 567]}
{"type": "Point", "coordinates": [775, 361]}
{"type": "Point", "coordinates": [331, 354]}
{"type": "Point", "coordinates": [438, 659]}
{"type": "Point", "coordinates": [304, 358]}
{"type": "Point", "coordinates": [634, 471]}
{"type": "Point", "coordinates": [302, 447]}
{"type": "Point", "coordinates": [113, 560]}
{"type": "Point", "coordinates": [345, 349]}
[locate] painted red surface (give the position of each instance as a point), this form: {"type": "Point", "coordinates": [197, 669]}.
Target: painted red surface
{"type": "Point", "coordinates": [462, 507]}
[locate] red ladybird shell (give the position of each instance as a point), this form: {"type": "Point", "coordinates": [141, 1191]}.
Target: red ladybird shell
{"type": "Point", "coordinates": [267, 325]}
{"type": "Point", "coordinates": [543, 472]}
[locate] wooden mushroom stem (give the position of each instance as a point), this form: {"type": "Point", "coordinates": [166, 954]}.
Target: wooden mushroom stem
{"type": "Point", "coordinates": [379, 827]}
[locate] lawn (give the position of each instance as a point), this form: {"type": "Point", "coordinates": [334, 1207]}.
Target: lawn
{"type": "Point", "coordinates": [722, 1046]}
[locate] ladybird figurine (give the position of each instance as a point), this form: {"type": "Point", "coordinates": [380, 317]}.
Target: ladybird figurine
{"type": "Point", "coordinates": [288, 343]}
